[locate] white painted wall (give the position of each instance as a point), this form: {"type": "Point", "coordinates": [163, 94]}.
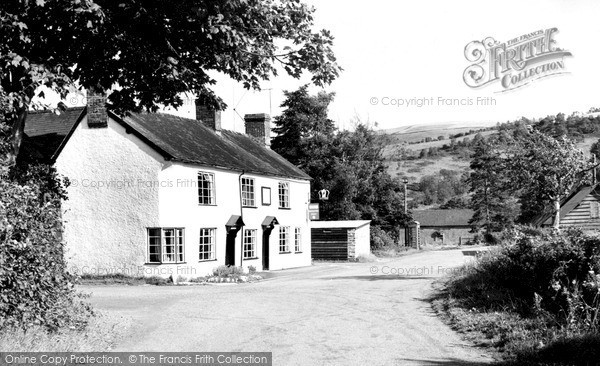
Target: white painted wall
{"type": "Point", "coordinates": [179, 208]}
{"type": "Point", "coordinates": [363, 240]}
{"type": "Point", "coordinates": [109, 207]}
{"type": "Point", "coordinates": [121, 187]}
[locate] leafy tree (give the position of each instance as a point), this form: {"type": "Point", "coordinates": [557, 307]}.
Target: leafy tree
{"type": "Point", "coordinates": [149, 52]}
{"type": "Point", "coordinates": [550, 167]}
{"type": "Point", "coordinates": [302, 125]}
{"type": "Point", "coordinates": [456, 203]}
{"type": "Point", "coordinates": [530, 166]}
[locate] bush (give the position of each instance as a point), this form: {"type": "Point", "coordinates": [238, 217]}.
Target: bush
{"type": "Point", "coordinates": [36, 287]}
{"type": "Point", "coordinates": [536, 297]}
{"type": "Point", "coordinates": [537, 272]}
{"type": "Point", "coordinates": [228, 271]}
{"type": "Point", "coordinates": [380, 239]}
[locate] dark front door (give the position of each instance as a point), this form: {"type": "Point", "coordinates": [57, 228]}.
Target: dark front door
{"type": "Point", "coordinates": [265, 248]}
{"type": "Point", "coordinates": [230, 248]}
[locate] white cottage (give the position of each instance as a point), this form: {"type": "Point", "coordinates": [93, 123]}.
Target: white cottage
{"type": "Point", "coordinates": [156, 194]}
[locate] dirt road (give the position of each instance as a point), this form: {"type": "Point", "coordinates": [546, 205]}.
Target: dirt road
{"type": "Point", "coordinates": [327, 314]}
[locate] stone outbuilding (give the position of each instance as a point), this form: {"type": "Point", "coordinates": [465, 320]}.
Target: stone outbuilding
{"type": "Point", "coordinates": [444, 227]}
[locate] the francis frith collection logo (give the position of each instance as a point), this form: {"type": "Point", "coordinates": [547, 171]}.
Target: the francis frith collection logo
{"type": "Point", "coordinates": [514, 63]}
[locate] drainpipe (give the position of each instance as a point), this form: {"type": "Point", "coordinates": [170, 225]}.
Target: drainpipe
{"type": "Point", "coordinates": [242, 218]}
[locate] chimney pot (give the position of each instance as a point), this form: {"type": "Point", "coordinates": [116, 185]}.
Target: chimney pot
{"type": "Point", "coordinates": [259, 126]}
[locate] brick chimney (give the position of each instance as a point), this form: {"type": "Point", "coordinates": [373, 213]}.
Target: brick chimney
{"type": "Point", "coordinates": [210, 118]}
{"type": "Point", "coordinates": [259, 126]}
{"type": "Point", "coordinates": [96, 109]}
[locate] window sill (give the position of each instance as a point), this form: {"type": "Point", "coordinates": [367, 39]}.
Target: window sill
{"type": "Point", "coordinates": [206, 260]}
{"type": "Point", "coordinates": [249, 207]}
{"type": "Point", "coordinates": [161, 263]}
{"type": "Point", "coordinates": [285, 252]}
{"type": "Point", "coordinates": [209, 205]}
{"type": "Point", "coordinates": [297, 252]}
{"type": "Point", "coordinates": [285, 208]}
{"type": "Point", "coordinates": [250, 259]}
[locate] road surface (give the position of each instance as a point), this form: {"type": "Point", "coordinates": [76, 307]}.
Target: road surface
{"type": "Point", "coordinates": [327, 314]}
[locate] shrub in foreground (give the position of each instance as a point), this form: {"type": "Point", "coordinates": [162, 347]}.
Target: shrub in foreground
{"type": "Point", "coordinates": [535, 294]}
{"type": "Point", "coordinates": [36, 287]}
{"type": "Point", "coordinates": [535, 272]}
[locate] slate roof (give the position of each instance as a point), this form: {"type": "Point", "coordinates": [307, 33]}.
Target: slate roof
{"type": "Point", "coordinates": [45, 131]}
{"type": "Point", "coordinates": [175, 138]}
{"type": "Point", "coordinates": [443, 218]}
{"type": "Point", "coordinates": [567, 205]}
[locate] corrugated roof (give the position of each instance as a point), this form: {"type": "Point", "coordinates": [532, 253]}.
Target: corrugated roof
{"type": "Point", "coordinates": [176, 138]}
{"type": "Point", "coordinates": [350, 224]}
{"type": "Point", "coordinates": [455, 217]}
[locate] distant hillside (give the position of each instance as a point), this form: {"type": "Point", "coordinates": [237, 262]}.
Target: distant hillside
{"type": "Point", "coordinates": [416, 133]}
{"type": "Point", "coordinates": [436, 158]}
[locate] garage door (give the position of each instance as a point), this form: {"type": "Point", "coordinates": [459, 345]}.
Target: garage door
{"type": "Point", "coordinates": [329, 243]}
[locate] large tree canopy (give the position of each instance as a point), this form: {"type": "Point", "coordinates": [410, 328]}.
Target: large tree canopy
{"type": "Point", "coordinates": [148, 52]}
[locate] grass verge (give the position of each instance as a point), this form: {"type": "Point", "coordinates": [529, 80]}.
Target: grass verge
{"type": "Point", "coordinates": [101, 334]}
{"type": "Point", "coordinates": [121, 279]}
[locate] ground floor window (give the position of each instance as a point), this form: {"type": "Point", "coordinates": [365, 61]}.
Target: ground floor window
{"type": "Point", "coordinates": [249, 243]}
{"type": "Point", "coordinates": [206, 248]}
{"type": "Point", "coordinates": [165, 245]}
{"type": "Point", "coordinates": [284, 239]}
{"type": "Point", "coordinates": [297, 240]}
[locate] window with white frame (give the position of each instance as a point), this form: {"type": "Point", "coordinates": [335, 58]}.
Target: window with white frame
{"type": "Point", "coordinates": [248, 192]}
{"type": "Point", "coordinates": [206, 250]}
{"type": "Point", "coordinates": [249, 243]}
{"type": "Point", "coordinates": [284, 239]}
{"type": "Point", "coordinates": [206, 188]}
{"type": "Point", "coordinates": [297, 240]}
{"type": "Point", "coordinates": [165, 245]}
{"type": "Point", "coordinates": [284, 195]}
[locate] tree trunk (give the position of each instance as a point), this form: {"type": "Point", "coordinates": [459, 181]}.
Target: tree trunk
{"type": "Point", "coordinates": [16, 136]}
{"type": "Point", "coordinates": [556, 225]}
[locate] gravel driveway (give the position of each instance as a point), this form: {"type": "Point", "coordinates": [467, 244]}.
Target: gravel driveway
{"type": "Point", "coordinates": [327, 314]}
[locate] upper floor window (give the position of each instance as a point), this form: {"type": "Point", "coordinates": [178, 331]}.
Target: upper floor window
{"type": "Point", "coordinates": [284, 195]}
{"type": "Point", "coordinates": [248, 198]}
{"type": "Point", "coordinates": [206, 188]}
{"type": "Point", "coordinates": [165, 245]}
{"type": "Point", "coordinates": [206, 250]}
{"type": "Point", "coordinates": [249, 243]}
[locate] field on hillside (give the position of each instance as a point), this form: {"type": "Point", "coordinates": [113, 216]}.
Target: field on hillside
{"type": "Point", "coordinates": [405, 137]}
{"type": "Point", "coordinates": [415, 169]}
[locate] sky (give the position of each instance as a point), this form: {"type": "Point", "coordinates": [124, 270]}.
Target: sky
{"type": "Point", "coordinates": [394, 51]}
{"type": "Point", "coordinates": [404, 62]}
